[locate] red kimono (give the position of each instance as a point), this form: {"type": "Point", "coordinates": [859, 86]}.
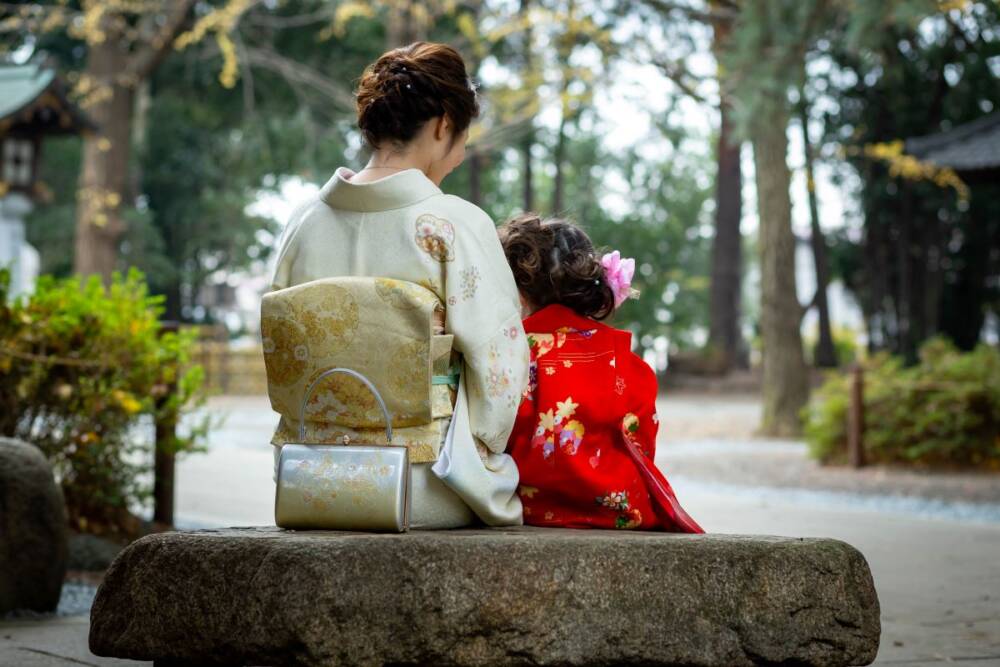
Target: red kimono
{"type": "Point", "coordinates": [585, 434]}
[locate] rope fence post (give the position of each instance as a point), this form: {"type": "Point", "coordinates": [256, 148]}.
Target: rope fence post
{"type": "Point", "coordinates": [856, 419]}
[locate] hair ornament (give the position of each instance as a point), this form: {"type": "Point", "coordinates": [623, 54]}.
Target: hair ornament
{"type": "Point", "coordinates": [408, 86]}
{"type": "Point", "coordinates": [618, 271]}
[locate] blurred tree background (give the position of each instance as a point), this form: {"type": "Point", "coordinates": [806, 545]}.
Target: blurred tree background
{"type": "Point", "coordinates": [229, 101]}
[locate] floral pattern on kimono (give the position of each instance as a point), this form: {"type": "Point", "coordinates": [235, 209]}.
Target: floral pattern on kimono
{"type": "Point", "coordinates": [584, 449]}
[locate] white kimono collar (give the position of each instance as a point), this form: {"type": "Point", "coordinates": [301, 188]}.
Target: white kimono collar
{"type": "Point", "coordinates": [397, 190]}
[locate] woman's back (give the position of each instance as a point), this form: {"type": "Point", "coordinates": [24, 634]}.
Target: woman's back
{"type": "Point", "coordinates": [403, 227]}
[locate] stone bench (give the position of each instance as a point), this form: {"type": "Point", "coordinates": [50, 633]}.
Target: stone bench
{"type": "Point", "coordinates": [523, 596]}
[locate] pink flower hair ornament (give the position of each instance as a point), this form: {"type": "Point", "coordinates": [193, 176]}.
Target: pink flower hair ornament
{"type": "Point", "coordinates": [618, 273]}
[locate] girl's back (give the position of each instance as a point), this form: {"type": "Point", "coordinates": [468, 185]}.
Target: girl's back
{"type": "Point", "coordinates": [585, 435]}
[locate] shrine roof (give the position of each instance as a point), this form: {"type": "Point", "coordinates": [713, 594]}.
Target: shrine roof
{"type": "Point", "coordinates": [968, 147]}
{"type": "Point", "coordinates": [32, 95]}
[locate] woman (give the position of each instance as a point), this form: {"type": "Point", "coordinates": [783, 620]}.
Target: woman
{"type": "Point", "coordinates": [391, 220]}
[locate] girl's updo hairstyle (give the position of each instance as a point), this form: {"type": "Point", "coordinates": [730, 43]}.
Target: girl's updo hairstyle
{"type": "Point", "coordinates": [554, 261]}
{"type": "Point", "coordinates": [408, 86]}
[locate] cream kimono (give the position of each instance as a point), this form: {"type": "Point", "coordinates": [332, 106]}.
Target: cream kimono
{"type": "Point", "coordinates": [403, 227]}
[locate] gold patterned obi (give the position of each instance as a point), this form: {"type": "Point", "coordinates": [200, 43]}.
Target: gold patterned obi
{"type": "Point", "coordinates": [390, 331]}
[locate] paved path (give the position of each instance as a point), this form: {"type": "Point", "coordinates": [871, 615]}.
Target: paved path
{"type": "Point", "coordinates": [933, 541]}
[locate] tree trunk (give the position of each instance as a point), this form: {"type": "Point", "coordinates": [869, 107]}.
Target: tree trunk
{"type": "Point", "coordinates": [785, 377]}
{"type": "Point", "coordinates": [475, 162]}
{"type": "Point", "coordinates": [403, 26]}
{"type": "Point", "coordinates": [559, 157]}
{"type": "Point", "coordinates": [528, 187]}
{"type": "Point", "coordinates": [825, 354]}
{"type": "Point", "coordinates": [104, 173]}
{"type": "Point", "coordinates": [725, 293]}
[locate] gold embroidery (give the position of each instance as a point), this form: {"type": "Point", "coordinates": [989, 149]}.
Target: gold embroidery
{"type": "Point", "coordinates": [400, 294]}
{"type": "Point", "coordinates": [283, 338]}
{"type": "Point", "coordinates": [435, 236]}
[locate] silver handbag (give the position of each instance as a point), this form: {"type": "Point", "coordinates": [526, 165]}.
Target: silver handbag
{"type": "Point", "coordinates": [344, 486]}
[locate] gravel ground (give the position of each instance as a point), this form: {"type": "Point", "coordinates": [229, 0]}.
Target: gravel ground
{"type": "Point", "coordinates": [710, 440]}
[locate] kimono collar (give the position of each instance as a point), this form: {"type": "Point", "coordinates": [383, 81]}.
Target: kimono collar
{"type": "Point", "coordinates": [556, 316]}
{"type": "Point", "coordinates": [397, 190]}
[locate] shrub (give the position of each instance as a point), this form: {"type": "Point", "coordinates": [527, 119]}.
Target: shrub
{"type": "Point", "coordinates": [943, 411]}
{"type": "Point", "coordinates": [84, 371]}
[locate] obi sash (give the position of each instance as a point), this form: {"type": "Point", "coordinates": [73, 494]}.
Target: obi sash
{"type": "Point", "coordinates": [390, 331]}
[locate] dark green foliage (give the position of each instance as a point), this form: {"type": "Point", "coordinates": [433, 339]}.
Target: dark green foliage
{"type": "Point", "coordinates": [83, 370]}
{"type": "Point", "coordinates": [945, 410]}
{"type": "Point", "coordinates": [927, 263]}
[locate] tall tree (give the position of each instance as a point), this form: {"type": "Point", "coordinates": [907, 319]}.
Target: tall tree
{"type": "Point", "coordinates": [825, 354]}
{"type": "Point", "coordinates": [724, 328]}
{"type": "Point", "coordinates": [766, 59]}
{"type": "Point", "coordinates": [125, 42]}
{"type": "Point", "coordinates": [117, 64]}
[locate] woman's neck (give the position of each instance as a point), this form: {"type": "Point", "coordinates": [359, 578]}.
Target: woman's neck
{"type": "Point", "coordinates": [383, 164]}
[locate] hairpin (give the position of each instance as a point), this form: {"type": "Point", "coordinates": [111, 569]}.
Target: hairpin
{"type": "Point", "coordinates": [409, 86]}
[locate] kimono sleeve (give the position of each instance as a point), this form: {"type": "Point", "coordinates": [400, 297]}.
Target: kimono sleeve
{"type": "Point", "coordinates": [640, 391]}
{"type": "Point", "coordinates": [288, 249]}
{"type": "Point", "coordinates": [483, 312]}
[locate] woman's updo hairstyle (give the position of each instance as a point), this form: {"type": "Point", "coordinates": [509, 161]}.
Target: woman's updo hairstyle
{"type": "Point", "coordinates": [408, 86]}
{"type": "Point", "coordinates": [554, 261]}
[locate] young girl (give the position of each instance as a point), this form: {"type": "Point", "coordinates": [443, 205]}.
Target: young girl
{"type": "Point", "coordinates": [585, 434]}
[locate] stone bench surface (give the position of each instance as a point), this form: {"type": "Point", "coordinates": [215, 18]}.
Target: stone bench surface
{"type": "Point", "coordinates": [519, 596]}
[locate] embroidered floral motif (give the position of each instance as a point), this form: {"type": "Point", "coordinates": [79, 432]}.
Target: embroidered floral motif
{"type": "Point", "coordinates": [567, 363]}
{"type": "Point", "coordinates": [582, 333]}
{"type": "Point", "coordinates": [549, 370]}
{"type": "Point", "coordinates": [436, 237]}
{"type": "Point", "coordinates": [541, 344]}
{"type": "Point", "coordinates": [619, 385]}
{"type": "Point", "coordinates": [615, 500]}
{"type": "Point", "coordinates": [343, 399]}
{"type": "Point", "coordinates": [329, 315]}
{"type": "Point", "coordinates": [470, 282]}
{"type": "Point", "coordinates": [452, 301]}
{"type": "Point", "coordinates": [529, 391]}
{"type": "Point", "coordinates": [526, 491]}
{"type": "Point", "coordinates": [498, 379]}
{"type": "Point", "coordinates": [595, 460]}
{"type": "Point", "coordinates": [408, 380]}
{"type": "Point", "coordinates": [630, 426]}
{"type": "Point", "coordinates": [556, 427]}
{"type": "Point", "coordinates": [401, 294]}
{"type": "Point", "coordinates": [628, 517]}
{"type": "Point", "coordinates": [284, 338]}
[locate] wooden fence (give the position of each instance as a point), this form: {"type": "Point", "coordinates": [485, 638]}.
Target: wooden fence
{"type": "Point", "coordinates": [238, 372]}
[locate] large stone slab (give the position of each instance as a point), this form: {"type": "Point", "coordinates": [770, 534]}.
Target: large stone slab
{"type": "Point", "coordinates": [33, 531]}
{"type": "Point", "coordinates": [262, 596]}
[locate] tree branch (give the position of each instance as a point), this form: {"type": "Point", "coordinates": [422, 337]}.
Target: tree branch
{"type": "Point", "coordinates": [298, 73]}
{"type": "Point", "coordinates": [677, 74]}
{"type": "Point", "coordinates": [146, 59]}
{"type": "Point", "coordinates": [705, 16]}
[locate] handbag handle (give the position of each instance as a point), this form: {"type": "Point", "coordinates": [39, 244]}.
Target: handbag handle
{"type": "Point", "coordinates": [327, 373]}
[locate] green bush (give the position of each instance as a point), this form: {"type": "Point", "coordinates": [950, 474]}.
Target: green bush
{"type": "Point", "coordinates": [944, 411]}
{"type": "Point", "coordinates": [84, 371]}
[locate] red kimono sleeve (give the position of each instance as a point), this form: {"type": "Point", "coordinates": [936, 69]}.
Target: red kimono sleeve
{"type": "Point", "coordinates": [640, 389]}
{"type": "Point", "coordinates": [638, 431]}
